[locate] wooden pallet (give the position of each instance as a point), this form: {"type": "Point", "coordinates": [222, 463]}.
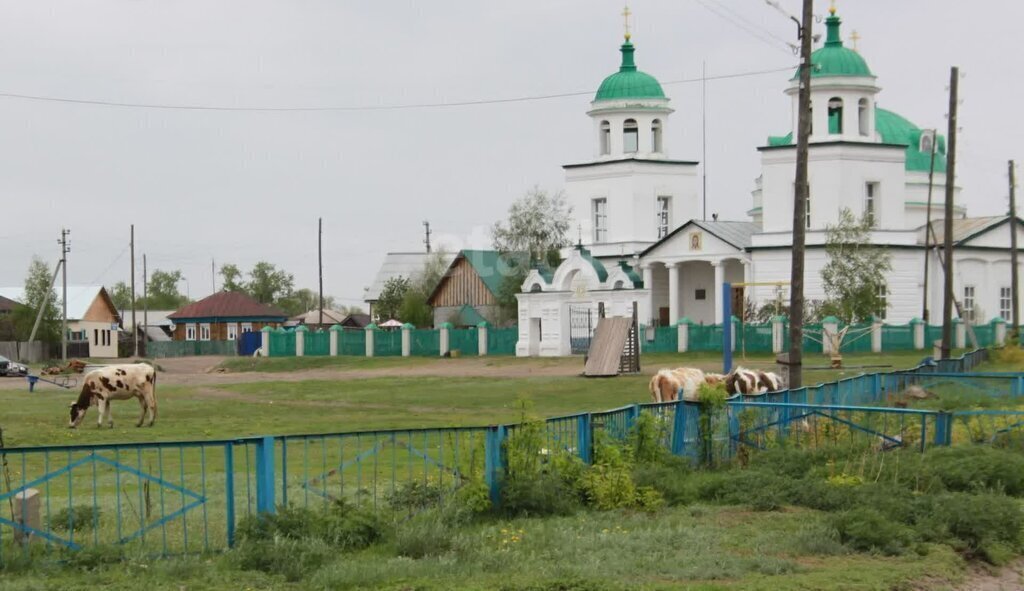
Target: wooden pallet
{"type": "Point", "coordinates": [607, 347]}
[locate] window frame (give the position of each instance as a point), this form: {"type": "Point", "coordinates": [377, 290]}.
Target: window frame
{"type": "Point", "coordinates": [599, 218]}
{"type": "Point", "coordinates": [657, 127]}
{"type": "Point", "coordinates": [604, 138]}
{"type": "Point", "coordinates": [1006, 303]}
{"type": "Point", "coordinates": [968, 304]}
{"type": "Point", "coordinates": [663, 215]}
{"type": "Point", "coordinates": [872, 191]}
{"type": "Point", "coordinates": [246, 327]}
{"type": "Point", "coordinates": [190, 331]}
{"type": "Point", "coordinates": [204, 331]}
{"type": "Point", "coordinates": [231, 330]}
{"type": "Point", "coordinates": [630, 131]}
{"type": "Point", "coordinates": [883, 295]}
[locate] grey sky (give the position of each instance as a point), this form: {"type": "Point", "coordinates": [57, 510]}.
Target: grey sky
{"type": "Point", "coordinates": [242, 187]}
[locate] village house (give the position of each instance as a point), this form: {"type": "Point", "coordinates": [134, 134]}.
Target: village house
{"type": "Point", "coordinates": [468, 292]}
{"type": "Point", "coordinates": [224, 316]}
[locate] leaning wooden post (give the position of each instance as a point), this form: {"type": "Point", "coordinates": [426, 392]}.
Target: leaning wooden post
{"type": "Point", "coordinates": [370, 330]}
{"type": "Point", "coordinates": [335, 335]}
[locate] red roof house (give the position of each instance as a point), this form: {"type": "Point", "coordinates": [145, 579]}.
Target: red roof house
{"type": "Point", "coordinates": [223, 316]}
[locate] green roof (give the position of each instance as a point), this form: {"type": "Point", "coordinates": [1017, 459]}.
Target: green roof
{"type": "Point", "coordinates": [894, 129]}
{"type": "Point", "coordinates": [638, 281]}
{"type": "Point", "coordinates": [628, 82]}
{"type": "Point", "coordinates": [598, 266]}
{"type": "Point", "coordinates": [467, 316]}
{"type": "Point", "coordinates": [491, 266]}
{"type": "Point", "coordinates": [833, 59]}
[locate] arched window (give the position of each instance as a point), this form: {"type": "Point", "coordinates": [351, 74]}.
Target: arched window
{"type": "Point", "coordinates": [606, 138]}
{"type": "Point", "coordinates": [656, 136]}
{"type": "Point", "coordinates": [620, 285]}
{"type": "Point", "coordinates": [535, 288]}
{"type": "Point", "coordinates": [835, 115]}
{"type": "Point", "coordinates": [630, 136]}
{"type": "Point", "coordinates": [862, 117]}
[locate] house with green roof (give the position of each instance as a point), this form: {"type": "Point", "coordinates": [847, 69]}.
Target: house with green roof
{"type": "Point", "coordinates": [468, 292]}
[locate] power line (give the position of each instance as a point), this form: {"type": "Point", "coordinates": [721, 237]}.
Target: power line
{"type": "Point", "coordinates": [760, 27]}
{"type": "Point", "coordinates": [398, 107]}
{"type": "Point", "coordinates": [756, 31]}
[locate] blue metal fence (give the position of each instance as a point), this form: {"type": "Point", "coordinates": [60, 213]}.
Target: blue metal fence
{"type": "Point", "coordinates": [187, 497]}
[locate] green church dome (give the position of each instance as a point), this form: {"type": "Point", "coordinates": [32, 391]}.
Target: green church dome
{"type": "Point", "coordinates": [895, 129]}
{"type": "Point", "coordinates": [628, 82]}
{"type": "Point", "coordinates": [833, 59]}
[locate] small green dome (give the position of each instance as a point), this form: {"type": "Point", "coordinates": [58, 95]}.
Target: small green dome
{"type": "Point", "coordinates": [895, 129]}
{"type": "Point", "coordinates": [628, 82]}
{"type": "Point", "coordinates": [833, 59]}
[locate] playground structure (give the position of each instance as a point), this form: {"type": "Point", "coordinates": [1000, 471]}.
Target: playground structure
{"type": "Point", "coordinates": [615, 346]}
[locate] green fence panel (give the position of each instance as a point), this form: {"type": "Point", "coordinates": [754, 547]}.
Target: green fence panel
{"type": "Point", "coordinates": [661, 339]}
{"type": "Point", "coordinates": [352, 342]}
{"type": "Point", "coordinates": [897, 338]}
{"type": "Point", "coordinates": [705, 337]}
{"type": "Point", "coordinates": [857, 339]}
{"type": "Point", "coordinates": [984, 334]}
{"type": "Point", "coordinates": [754, 338]}
{"type": "Point", "coordinates": [387, 343]}
{"type": "Point", "coordinates": [282, 344]}
{"type": "Point", "coordinates": [191, 348]}
{"type": "Point", "coordinates": [463, 340]}
{"type": "Point", "coordinates": [502, 341]}
{"type": "Point", "coordinates": [318, 343]}
{"type": "Point", "coordinates": [425, 342]}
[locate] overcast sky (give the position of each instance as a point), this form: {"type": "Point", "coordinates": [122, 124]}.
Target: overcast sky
{"type": "Point", "coordinates": [247, 186]}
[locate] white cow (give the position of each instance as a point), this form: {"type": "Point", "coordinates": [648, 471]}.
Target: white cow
{"type": "Point", "coordinates": [116, 382]}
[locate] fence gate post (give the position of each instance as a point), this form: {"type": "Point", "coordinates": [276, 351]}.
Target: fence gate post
{"type": "Point", "coordinates": [683, 335]}
{"type": "Point", "coordinates": [265, 340]}
{"type": "Point", "coordinates": [481, 336]}
{"type": "Point", "coordinates": [265, 475]}
{"type": "Point", "coordinates": [943, 428]}
{"type": "Point", "coordinates": [445, 338]}
{"type": "Point", "coordinates": [494, 465]}
{"type": "Point", "coordinates": [300, 340]}
{"type": "Point", "coordinates": [335, 331]}
{"type": "Point", "coordinates": [584, 437]}
{"type": "Point", "coordinates": [370, 330]}
{"type": "Point", "coordinates": [407, 339]}
{"type": "Point", "coordinates": [679, 429]}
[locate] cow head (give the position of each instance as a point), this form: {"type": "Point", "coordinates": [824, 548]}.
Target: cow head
{"type": "Point", "coordinates": [77, 414]}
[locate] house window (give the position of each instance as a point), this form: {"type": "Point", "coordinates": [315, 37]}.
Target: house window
{"type": "Point", "coordinates": [204, 332]}
{"type": "Point", "coordinates": [246, 327]}
{"type": "Point", "coordinates": [232, 331]}
{"type": "Point", "coordinates": [862, 117]}
{"type": "Point", "coordinates": [656, 136]}
{"type": "Point", "coordinates": [96, 336]}
{"type": "Point", "coordinates": [700, 294]}
{"type": "Point", "coordinates": [883, 301]}
{"type": "Point", "coordinates": [606, 138]}
{"type": "Point", "coordinates": [190, 332]}
{"type": "Point", "coordinates": [927, 143]}
{"type": "Point", "coordinates": [661, 216]}
{"type": "Point", "coordinates": [870, 203]}
{"type": "Point", "coordinates": [630, 136]}
{"type": "Point", "coordinates": [1005, 304]}
{"type": "Point", "coordinates": [835, 115]}
{"type": "Point", "coordinates": [968, 304]}
{"type": "Point", "coordinates": [600, 214]}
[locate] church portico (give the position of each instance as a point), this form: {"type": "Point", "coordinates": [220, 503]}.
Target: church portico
{"type": "Point", "coordinates": [689, 288]}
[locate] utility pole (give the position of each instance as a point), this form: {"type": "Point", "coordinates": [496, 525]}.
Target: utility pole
{"type": "Point", "coordinates": [947, 299]}
{"type": "Point", "coordinates": [1014, 292]}
{"type": "Point", "coordinates": [135, 327]}
{"type": "Point", "coordinates": [796, 295]}
{"type": "Point", "coordinates": [213, 274]}
{"type": "Point", "coordinates": [704, 136]}
{"type": "Point", "coordinates": [64, 250]}
{"type": "Point", "coordinates": [145, 299]}
{"type": "Point", "coordinates": [320, 263]}
{"type": "Point", "coordinates": [928, 226]}
{"type": "Point", "coordinates": [426, 240]}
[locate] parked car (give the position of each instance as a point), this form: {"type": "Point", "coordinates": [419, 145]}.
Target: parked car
{"type": "Point", "coordinates": [9, 368]}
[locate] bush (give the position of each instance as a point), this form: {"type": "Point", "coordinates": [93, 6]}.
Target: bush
{"type": "Point", "coordinates": [414, 496]}
{"type": "Point", "coordinates": [545, 494]}
{"type": "Point", "coordinates": [980, 525]}
{"type": "Point", "coordinates": [646, 437]}
{"type": "Point", "coordinates": [93, 557]}
{"type": "Point", "coordinates": [294, 559]}
{"type": "Point", "coordinates": [77, 518]}
{"type": "Point", "coordinates": [976, 468]}
{"type": "Point", "coordinates": [676, 485]}
{"type": "Point", "coordinates": [427, 534]}
{"type": "Point", "coordinates": [339, 525]}
{"type": "Point", "coordinates": [867, 530]}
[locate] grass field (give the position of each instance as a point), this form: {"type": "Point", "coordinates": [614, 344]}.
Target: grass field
{"type": "Point", "coordinates": [705, 547]}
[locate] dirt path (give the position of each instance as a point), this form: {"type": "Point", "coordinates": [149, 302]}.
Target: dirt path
{"type": "Point", "coordinates": [1008, 578]}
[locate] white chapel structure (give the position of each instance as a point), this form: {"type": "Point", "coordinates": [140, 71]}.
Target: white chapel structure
{"type": "Point", "coordinates": [642, 240]}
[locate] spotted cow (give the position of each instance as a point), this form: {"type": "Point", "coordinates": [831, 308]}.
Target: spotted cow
{"type": "Point", "coordinates": [116, 382]}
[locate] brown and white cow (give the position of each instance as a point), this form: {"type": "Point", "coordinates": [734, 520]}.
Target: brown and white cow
{"type": "Point", "coordinates": [116, 382]}
{"type": "Point", "coordinates": [751, 382]}
{"type": "Point", "coordinates": [669, 384]}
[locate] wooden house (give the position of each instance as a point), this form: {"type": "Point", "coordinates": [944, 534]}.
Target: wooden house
{"type": "Point", "coordinates": [223, 316]}
{"type": "Point", "coordinates": [468, 292]}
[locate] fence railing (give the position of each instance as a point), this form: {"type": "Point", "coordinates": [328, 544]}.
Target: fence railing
{"type": "Point", "coordinates": [188, 497]}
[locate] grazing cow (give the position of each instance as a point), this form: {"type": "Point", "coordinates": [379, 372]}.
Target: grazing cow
{"type": "Point", "coordinates": [668, 384]}
{"type": "Point", "coordinates": [769, 381]}
{"type": "Point", "coordinates": [741, 381]}
{"type": "Point", "coordinates": [116, 382]}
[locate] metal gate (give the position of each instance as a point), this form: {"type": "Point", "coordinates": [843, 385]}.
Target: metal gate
{"type": "Point", "coordinates": [581, 328]}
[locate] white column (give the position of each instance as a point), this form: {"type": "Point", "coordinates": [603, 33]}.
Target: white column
{"type": "Point", "coordinates": [719, 279]}
{"type": "Point", "coordinates": [334, 339]}
{"type": "Point", "coordinates": [369, 339]}
{"type": "Point", "coordinates": [999, 328]}
{"type": "Point", "coordinates": [481, 339]}
{"type": "Point", "coordinates": [748, 277]}
{"type": "Point", "coordinates": [876, 336]}
{"type": "Point", "coordinates": [918, 328]}
{"type": "Point", "coordinates": [673, 292]}
{"type": "Point", "coordinates": [265, 341]}
{"type": "Point", "coordinates": [646, 316]}
{"type": "Point", "coordinates": [406, 340]}
{"type": "Point", "coordinates": [961, 335]}
{"type": "Point", "coordinates": [300, 342]}
{"type": "Point", "coordinates": [778, 334]}
{"type": "Point", "coordinates": [829, 335]}
{"type": "Point", "coordinates": [683, 337]}
{"type": "Point", "coordinates": [445, 336]}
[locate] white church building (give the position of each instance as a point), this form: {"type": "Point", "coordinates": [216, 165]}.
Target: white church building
{"type": "Point", "coordinates": [642, 239]}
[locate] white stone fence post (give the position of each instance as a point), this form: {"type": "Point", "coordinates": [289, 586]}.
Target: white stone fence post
{"type": "Point", "coordinates": [300, 340]}
{"type": "Point", "coordinates": [370, 329]}
{"type": "Point", "coordinates": [407, 339]}
{"type": "Point", "coordinates": [481, 338]}
{"type": "Point", "coordinates": [335, 334]}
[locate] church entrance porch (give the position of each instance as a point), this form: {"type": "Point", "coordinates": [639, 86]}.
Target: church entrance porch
{"type": "Point", "coordinates": [691, 288]}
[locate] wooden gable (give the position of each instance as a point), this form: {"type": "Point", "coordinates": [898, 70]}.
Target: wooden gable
{"type": "Point", "coordinates": [101, 309]}
{"type": "Point", "coordinates": [462, 285]}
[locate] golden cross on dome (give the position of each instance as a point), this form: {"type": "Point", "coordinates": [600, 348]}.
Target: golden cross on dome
{"type": "Point", "coordinates": [832, 7]}
{"type": "Point", "coordinates": [626, 13]}
{"type": "Point", "coordinates": [855, 37]}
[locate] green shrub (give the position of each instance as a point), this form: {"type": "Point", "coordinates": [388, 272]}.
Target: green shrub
{"type": "Point", "coordinates": [426, 534]}
{"type": "Point", "coordinates": [339, 525]}
{"type": "Point", "coordinates": [975, 468]}
{"type": "Point", "coordinates": [977, 524]}
{"type": "Point", "coordinates": [294, 559]}
{"type": "Point", "coordinates": [648, 499]}
{"type": "Point", "coordinates": [544, 494]}
{"type": "Point", "coordinates": [739, 487]}
{"type": "Point", "coordinates": [414, 496]}
{"type": "Point", "coordinates": [93, 557]}
{"type": "Point", "coordinates": [675, 485]}
{"type": "Point", "coordinates": [78, 518]}
{"type": "Point", "coordinates": [646, 437]}
{"type": "Point", "coordinates": [609, 487]}
{"type": "Point", "coordinates": [867, 530]}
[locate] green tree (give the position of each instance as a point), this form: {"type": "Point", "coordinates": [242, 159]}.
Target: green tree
{"type": "Point", "coordinates": [268, 284]}
{"type": "Point", "coordinates": [511, 284]}
{"type": "Point", "coordinates": [537, 224]}
{"type": "Point", "coordinates": [121, 295]}
{"type": "Point", "coordinates": [414, 309]}
{"type": "Point", "coordinates": [854, 274]}
{"type": "Point", "coordinates": [163, 291]}
{"type": "Point", "coordinates": [231, 277]}
{"type": "Point", "coordinates": [390, 300]}
{"type": "Point", "coordinates": [38, 294]}
{"type": "Point", "coordinates": [300, 301]}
